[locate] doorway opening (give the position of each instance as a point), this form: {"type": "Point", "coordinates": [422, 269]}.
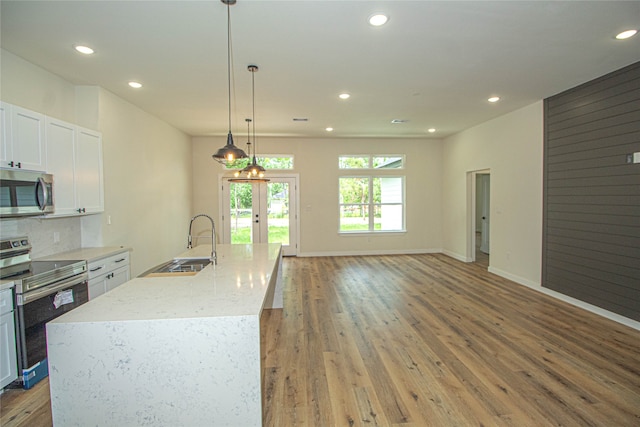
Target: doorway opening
{"type": "Point", "coordinates": [479, 242]}
{"type": "Point", "coordinates": [261, 212]}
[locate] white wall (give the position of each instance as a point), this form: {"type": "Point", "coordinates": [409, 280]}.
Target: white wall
{"type": "Point", "coordinates": [316, 161]}
{"type": "Point", "coordinates": [147, 175]}
{"type": "Point", "coordinates": [147, 169]}
{"type": "Point", "coordinates": [511, 146]}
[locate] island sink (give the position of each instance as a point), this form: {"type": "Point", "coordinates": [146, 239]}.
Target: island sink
{"type": "Point", "coordinates": [184, 266]}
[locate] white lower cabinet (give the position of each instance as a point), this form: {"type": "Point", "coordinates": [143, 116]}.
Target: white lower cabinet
{"type": "Point", "coordinates": [108, 273]}
{"type": "Point", "coordinates": [8, 357]}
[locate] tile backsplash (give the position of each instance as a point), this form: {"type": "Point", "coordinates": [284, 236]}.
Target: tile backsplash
{"type": "Point", "coordinates": [47, 236]}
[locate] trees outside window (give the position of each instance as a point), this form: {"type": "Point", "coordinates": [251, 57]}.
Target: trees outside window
{"type": "Point", "coordinates": [372, 202]}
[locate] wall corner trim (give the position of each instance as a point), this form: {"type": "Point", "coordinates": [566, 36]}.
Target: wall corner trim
{"type": "Point", "coordinates": [456, 256]}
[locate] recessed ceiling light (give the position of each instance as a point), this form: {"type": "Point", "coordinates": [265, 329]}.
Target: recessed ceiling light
{"type": "Point", "coordinates": [378, 19]}
{"type": "Point", "coordinates": [329, 129]}
{"type": "Point", "coordinates": [626, 34]}
{"type": "Point", "coordinates": [83, 49]}
{"type": "Point", "coordinates": [344, 96]}
{"type": "Point", "coordinates": [431, 130]}
{"type": "Point", "coordinates": [135, 85]}
{"type": "Point", "coordinates": [494, 99]}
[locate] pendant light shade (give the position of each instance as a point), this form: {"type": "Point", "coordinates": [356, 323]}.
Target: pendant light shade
{"type": "Point", "coordinates": [229, 153]}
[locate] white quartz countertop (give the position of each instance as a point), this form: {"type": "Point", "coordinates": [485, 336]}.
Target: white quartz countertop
{"type": "Point", "coordinates": [89, 254]}
{"type": "Point", "coordinates": [235, 287]}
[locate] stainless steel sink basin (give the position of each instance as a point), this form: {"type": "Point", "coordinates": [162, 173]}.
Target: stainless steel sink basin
{"type": "Point", "coordinates": [182, 265]}
{"type": "Point", "coordinates": [178, 266]}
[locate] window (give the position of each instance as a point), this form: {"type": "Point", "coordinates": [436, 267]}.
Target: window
{"type": "Point", "coordinates": [371, 162]}
{"type": "Point", "coordinates": [267, 161]}
{"type": "Point", "coordinates": [371, 194]}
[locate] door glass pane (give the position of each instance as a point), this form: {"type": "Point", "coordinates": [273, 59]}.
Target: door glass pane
{"type": "Point", "coordinates": [278, 212]}
{"type": "Point", "coordinates": [240, 195]}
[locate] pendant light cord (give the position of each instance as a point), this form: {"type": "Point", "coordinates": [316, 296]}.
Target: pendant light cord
{"type": "Point", "coordinates": [229, 59]}
{"type": "Point", "coordinates": [253, 113]}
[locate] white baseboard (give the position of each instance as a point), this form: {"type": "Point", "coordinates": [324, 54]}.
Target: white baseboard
{"type": "Point", "coordinates": [573, 301]}
{"type": "Point", "coordinates": [459, 257]}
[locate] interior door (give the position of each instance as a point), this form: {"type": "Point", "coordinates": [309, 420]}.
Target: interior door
{"type": "Point", "coordinates": [486, 188]}
{"type": "Point", "coordinates": [261, 212]}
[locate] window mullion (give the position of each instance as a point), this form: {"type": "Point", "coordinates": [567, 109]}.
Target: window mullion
{"type": "Point", "coordinates": [371, 206]}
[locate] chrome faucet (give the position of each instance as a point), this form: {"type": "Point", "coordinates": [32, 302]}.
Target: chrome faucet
{"type": "Point", "coordinates": [214, 255]}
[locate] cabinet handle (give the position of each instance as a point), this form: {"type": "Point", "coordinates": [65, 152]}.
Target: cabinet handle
{"type": "Point", "coordinates": [121, 259]}
{"type": "Point", "coordinates": [110, 276]}
{"type": "Point", "coordinates": [81, 210]}
{"type": "Point", "coordinates": [18, 165]}
{"type": "Point", "coordinates": [95, 269]}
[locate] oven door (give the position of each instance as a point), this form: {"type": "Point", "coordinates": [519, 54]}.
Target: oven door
{"type": "Point", "coordinates": [34, 309]}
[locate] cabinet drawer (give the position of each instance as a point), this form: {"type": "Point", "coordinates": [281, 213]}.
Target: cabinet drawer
{"type": "Point", "coordinates": [105, 265]}
{"type": "Point", "coordinates": [6, 301]}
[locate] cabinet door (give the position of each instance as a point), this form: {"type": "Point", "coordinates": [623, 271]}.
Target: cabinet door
{"type": "Point", "coordinates": [61, 141]}
{"type": "Point", "coordinates": [89, 184]}
{"type": "Point", "coordinates": [8, 358]}
{"type": "Point", "coordinates": [97, 286]}
{"type": "Point", "coordinates": [6, 149]}
{"type": "Point", "coordinates": [117, 278]}
{"type": "Point", "coordinates": [27, 130]}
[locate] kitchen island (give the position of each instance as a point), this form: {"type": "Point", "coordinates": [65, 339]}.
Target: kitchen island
{"type": "Point", "coordinates": [168, 351]}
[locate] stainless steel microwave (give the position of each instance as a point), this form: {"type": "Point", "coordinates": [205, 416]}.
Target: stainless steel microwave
{"type": "Point", "coordinates": [25, 193]}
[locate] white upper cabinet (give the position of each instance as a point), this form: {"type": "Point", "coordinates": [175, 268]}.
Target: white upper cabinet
{"type": "Point", "coordinates": [89, 175]}
{"type": "Point", "coordinates": [61, 148]}
{"type": "Point", "coordinates": [6, 149]}
{"type": "Point", "coordinates": [22, 142]}
{"type": "Point", "coordinates": [74, 157]}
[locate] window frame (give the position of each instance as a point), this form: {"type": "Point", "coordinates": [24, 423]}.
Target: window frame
{"type": "Point", "coordinates": [371, 204]}
{"type": "Point", "coordinates": [241, 163]}
{"type": "Point", "coordinates": [370, 159]}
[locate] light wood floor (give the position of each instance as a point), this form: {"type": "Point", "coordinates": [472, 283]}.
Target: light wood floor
{"type": "Point", "coordinates": [424, 340]}
{"type": "Point", "coordinates": [481, 258]}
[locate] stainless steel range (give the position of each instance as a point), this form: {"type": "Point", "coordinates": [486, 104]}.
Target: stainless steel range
{"type": "Point", "coordinates": [44, 290]}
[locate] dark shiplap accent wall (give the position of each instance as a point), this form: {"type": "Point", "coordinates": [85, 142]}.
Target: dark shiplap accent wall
{"type": "Point", "coordinates": [591, 230]}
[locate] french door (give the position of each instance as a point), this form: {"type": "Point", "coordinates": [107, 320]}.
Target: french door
{"type": "Point", "coordinates": [261, 212]}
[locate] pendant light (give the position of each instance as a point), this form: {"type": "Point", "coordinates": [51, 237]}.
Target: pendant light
{"type": "Point", "coordinates": [229, 153]}
{"type": "Point", "coordinates": [254, 170]}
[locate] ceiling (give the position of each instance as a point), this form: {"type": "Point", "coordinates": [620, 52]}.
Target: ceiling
{"type": "Point", "coordinates": [434, 64]}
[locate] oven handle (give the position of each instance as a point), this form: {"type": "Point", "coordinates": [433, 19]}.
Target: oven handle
{"type": "Point", "coordinates": [23, 299]}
